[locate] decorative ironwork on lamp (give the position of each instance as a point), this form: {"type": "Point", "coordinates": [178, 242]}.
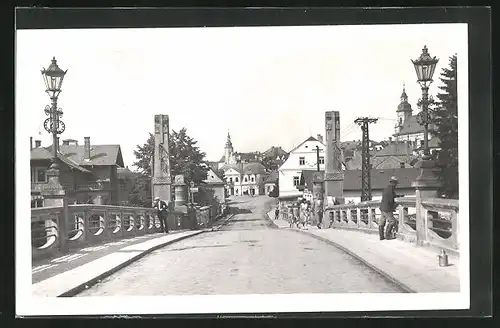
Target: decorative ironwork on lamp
{"type": "Point", "coordinates": [425, 66]}
{"type": "Point", "coordinates": [53, 77]}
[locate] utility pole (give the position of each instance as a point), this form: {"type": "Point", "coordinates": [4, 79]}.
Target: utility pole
{"type": "Point", "coordinates": [317, 158]}
{"type": "Point", "coordinates": [366, 188]}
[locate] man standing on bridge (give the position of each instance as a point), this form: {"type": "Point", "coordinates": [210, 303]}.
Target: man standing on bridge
{"type": "Point", "coordinates": [161, 210]}
{"type": "Point", "coordinates": [387, 207]}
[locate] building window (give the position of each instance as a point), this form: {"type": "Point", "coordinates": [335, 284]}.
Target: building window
{"type": "Point", "coordinates": [322, 160]}
{"type": "Point", "coordinates": [421, 143]}
{"type": "Point", "coordinates": [35, 203]}
{"type": "Point", "coordinates": [40, 175]}
{"type": "Point", "coordinates": [246, 179]}
{"type": "Point", "coordinates": [302, 160]}
{"type": "Point", "coordinates": [252, 179]}
{"type": "Point", "coordinates": [230, 179]}
{"type": "Point", "coordinates": [295, 181]}
{"type": "Point", "coordinates": [236, 179]}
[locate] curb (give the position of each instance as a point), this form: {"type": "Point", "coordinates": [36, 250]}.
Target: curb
{"type": "Point", "coordinates": [229, 217]}
{"type": "Point", "coordinates": [78, 289]}
{"type": "Point", "coordinates": [384, 274]}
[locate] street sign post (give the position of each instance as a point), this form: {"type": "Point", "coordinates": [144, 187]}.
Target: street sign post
{"type": "Point", "coordinates": [192, 189]}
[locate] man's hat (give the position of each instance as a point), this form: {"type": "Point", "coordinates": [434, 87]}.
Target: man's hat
{"type": "Point", "coordinates": [394, 179]}
{"type": "Point", "coordinates": [157, 198]}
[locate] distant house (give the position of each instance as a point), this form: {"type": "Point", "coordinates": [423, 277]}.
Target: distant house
{"type": "Point", "coordinates": [271, 182]}
{"type": "Point", "coordinates": [303, 157]}
{"type": "Point", "coordinates": [215, 182]}
{"type": "Point", "coordinates": [88, 173]}
{"type": "Point", "coordinates": [245, 178]}
{"type": "Point", "coordinates": [379, 180]}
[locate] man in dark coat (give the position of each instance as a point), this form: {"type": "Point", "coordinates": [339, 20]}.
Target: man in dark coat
{"type": "Point", "coordinates": [161, 210]}
{"type": "Point", "coordinates": [387, 207]}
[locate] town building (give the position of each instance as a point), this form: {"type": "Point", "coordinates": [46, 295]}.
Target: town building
{"type": "Point", "coordinates": [407, 128]}
{"type": "Point", "coordinates": [271, 182]}
{"type": "Point", "coordinates": [216, 183]}
{"type": "Point", "coordinates": [88, 173]}
{"type": "Point", "coordinates": [301, 158]}
{"type": "Point", "coordinates": [245, 178]}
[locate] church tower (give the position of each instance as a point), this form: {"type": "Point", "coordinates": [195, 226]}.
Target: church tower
{"type": "Point", "coordinates": [404, 111]}
{"type": "Point", "coordinates": [228, 150]}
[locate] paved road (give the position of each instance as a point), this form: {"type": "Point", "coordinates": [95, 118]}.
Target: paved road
{"type": "Point", "coordinates": [248, 255]}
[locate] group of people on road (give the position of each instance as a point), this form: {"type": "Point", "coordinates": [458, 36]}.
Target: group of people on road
{"type": "Point", "coordinates": [300, 212]}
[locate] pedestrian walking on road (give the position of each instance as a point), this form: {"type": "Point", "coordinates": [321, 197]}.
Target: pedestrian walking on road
{"type": "Point", "coordinates": [162, 212]}
{"type": "Point", "coordinates": [387, 207]}
{"type": "Point", "coordinates": [276, 213]}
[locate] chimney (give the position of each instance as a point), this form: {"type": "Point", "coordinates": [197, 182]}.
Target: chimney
{"type": "Point", "coordinates": [38, 143]}
{"type": "Point", "coordinates": [31, 143]}
{"type": "Point", "coordinates": [390, 140]}
{"type": "Point", "coordinates": [86, 151]}
{"type": "Point", "coordinates": [320, 138]}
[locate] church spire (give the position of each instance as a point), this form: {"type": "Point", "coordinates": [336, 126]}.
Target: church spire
{"type": "Point", "coordinates": [229, 144]}
{"type": "Point", "coordinates": [404, 97]}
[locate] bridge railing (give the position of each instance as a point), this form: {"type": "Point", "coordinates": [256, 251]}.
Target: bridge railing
{"type": "Point", "coordinates": [89, 224]}
{"type": "Point", "coordinates": [432, 222]}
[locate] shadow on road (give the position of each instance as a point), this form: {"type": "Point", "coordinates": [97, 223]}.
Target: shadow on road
{"type": "Point", "coordinates": [236, 210]}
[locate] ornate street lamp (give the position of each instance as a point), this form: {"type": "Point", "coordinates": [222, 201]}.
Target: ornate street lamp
{"type": "Point", "coordinates": [424, 67]}
{"type": "Point", "coordinates": [53, 77]}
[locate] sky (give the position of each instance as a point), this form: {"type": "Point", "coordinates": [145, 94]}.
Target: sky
{"type": "Point", "coordinates": [267, 86]}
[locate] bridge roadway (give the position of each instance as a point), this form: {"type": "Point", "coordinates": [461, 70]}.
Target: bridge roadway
{"type": "Point", "coordinates": [247, 255]}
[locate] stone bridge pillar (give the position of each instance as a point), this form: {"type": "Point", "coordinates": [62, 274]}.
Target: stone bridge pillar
{"type": "Point", "coordinates": [161, 180]}
{"type": "Point", "coordinates": [334, 177]}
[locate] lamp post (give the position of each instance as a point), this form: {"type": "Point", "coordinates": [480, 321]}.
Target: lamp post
{"type": "Point", "coordinates": [424, 67]}
{"type": "Point", "coordinates": [53, 77]}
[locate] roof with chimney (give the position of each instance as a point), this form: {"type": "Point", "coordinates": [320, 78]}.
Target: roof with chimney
{"type": "Point", "coordinates": [379, 178]}
{"type": "Point", "coordinates": [100, 155]}
{"type": "Point", "coordinates": [213, 178]}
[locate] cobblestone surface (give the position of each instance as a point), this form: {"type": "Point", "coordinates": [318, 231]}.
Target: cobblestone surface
{"type": "Point", "coordinates": [246, 256]}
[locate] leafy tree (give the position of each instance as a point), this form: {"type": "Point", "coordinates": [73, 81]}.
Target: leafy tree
{"type": "Point", "coordinates": [186, 158]}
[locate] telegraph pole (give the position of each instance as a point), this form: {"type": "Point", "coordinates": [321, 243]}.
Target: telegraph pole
{"type": "Point", "coordinates": [317, 158]}
{"type": "Point", "coordinates": [366, 188]}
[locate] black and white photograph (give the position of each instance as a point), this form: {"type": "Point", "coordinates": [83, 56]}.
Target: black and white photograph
{"type": "Point", "coordinates": [242, 169]}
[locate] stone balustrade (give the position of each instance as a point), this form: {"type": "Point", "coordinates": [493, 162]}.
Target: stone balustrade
{"type": "Point", "coordinates": [438, 221]}
{"type": "Point", "coordinates": [88, 224]}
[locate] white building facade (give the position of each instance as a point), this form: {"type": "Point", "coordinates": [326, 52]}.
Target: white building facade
{"type": "Point", "coordinates": [303, 157]}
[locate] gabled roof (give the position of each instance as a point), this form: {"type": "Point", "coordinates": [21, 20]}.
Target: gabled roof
{"type": "Point", "coordinates": [272, 177]}
{"type": "Point", "coordinates": [99, 154]}
{"type": "Point", "coordinates": [213, 177]}
{"type": "Point", "coordinates": [274, 152]}
{"type": "Point", "coordinates": [395, 148]}
{"type": "Point", "coordinates": [303, 142]}
{"type": "Point", "coordinates": [45, 153]}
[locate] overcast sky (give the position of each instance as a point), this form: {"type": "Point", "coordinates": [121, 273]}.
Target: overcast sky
{"type": "Point", "coordinates": [267, 85]}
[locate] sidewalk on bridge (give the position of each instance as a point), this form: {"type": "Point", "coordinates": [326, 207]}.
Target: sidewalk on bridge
{"type": "Point", "coordinates": [72, 281]}
{"type": "Point", "coordinates": [415, 268]}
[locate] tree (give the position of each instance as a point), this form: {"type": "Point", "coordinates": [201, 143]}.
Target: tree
{"type": "Point", "coordinates": [187, 158]}
{"type": "Point", "coordinates": [445, 121]}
